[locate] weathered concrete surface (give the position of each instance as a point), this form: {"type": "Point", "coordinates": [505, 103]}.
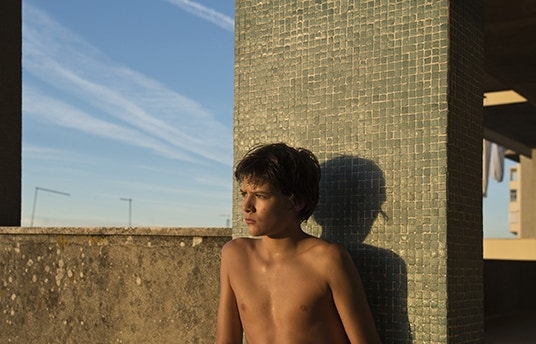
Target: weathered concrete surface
{"type": "Point", "coordinates": [83, 285]}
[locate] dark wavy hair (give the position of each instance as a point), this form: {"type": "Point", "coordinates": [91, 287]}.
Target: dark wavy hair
{"type": "Point", "coordinates": [293, 171]}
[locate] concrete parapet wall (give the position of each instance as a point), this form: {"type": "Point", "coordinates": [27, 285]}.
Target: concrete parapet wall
{"type": "Point", "coordinates": [109, 285]}
{"type": "Point", "coordinates": [510, 249]}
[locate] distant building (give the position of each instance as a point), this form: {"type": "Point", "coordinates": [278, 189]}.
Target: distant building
{"type": "Point", "coordinates": [522, 203]}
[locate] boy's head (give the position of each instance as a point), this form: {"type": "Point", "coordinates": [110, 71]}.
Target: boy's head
{"type": "Point", "coordinates": [295, 172]}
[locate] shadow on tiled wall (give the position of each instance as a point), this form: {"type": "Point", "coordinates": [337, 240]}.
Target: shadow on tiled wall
{"type": "Point", "coordinates": [352, 191]}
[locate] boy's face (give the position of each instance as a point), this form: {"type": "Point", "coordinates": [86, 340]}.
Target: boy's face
{"type": "Point", "coordinates": [267, 211]}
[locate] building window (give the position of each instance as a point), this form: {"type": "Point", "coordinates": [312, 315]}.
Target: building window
{"type": "Point", "coordinates": [513, 174]}
{"type": "Point", "coordinates": [513, 195]}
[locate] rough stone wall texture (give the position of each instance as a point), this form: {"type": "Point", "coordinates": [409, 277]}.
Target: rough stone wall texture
{"type": "Point", "coordinates": [388, 95]}
{"type": "Point", "coordinates": [109, 286]}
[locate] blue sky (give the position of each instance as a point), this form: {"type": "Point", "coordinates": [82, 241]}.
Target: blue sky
{"type": "Point", "coordinates": [134, 99]}
{"type": "Point", "coordinates": [127, 99]}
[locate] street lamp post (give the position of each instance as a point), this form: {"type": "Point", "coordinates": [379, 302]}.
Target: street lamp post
{"type": "Point", "coordinates": [37, 188]}
{"type": "Point", "coordinates": [129, 200]}
{"type": "Point", "coordinates": [227, 221]}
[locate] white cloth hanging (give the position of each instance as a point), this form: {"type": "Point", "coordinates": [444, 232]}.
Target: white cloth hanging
{"type": "Point", "coordinates": [497, 163]}
{"type": "Point", "coordinates": [486, 153]}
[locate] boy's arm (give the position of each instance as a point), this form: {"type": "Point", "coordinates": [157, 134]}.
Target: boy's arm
{"type": "Point", "coordinates": [229, 326]}
{"type": "Point", "coordinates": [350, 299]}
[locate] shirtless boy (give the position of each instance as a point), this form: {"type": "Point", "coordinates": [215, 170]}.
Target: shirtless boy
{"type": "Point", "coordinates": [285, 286]}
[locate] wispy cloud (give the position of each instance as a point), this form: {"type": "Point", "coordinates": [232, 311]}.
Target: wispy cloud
{"type": "Point", "coordinates": [65, 115]}
{"type": "Point", "coordinates": [44, 153]}
{"type": "Point", "coordinates": [205, 13]}
{"type": "Point", "coordinates": [104, 98]}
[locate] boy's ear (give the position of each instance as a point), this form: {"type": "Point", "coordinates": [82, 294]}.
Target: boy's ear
{"type": "Point", "coordinates": [296, 204]}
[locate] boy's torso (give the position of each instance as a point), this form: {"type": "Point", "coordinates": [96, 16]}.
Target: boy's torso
{"type": "Point", "coordinates": [285, 300]}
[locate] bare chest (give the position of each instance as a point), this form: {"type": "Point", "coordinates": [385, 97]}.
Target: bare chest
{"type": "Point", "coordinates": [276, 294]}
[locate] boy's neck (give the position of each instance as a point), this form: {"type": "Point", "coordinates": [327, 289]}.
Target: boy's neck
{"type": "Point", "coordinates": [283, 245]}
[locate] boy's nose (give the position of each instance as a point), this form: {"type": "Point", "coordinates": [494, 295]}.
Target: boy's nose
{"type": "Point", "coordinates": [247, 205]}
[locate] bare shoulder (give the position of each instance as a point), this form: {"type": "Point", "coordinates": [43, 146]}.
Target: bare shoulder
{"type": "Point", "coordinates": [239, 243]}
{"type": "Point", "coordinates": [330, 257]}
{"type": "Point", "coordinates": [238, 246]}
{"type": "Point", "coordinates": [327, 251]}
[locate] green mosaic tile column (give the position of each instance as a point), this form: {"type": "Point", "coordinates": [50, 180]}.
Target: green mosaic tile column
{"type": "Point", "coordinates": [388, 95]}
